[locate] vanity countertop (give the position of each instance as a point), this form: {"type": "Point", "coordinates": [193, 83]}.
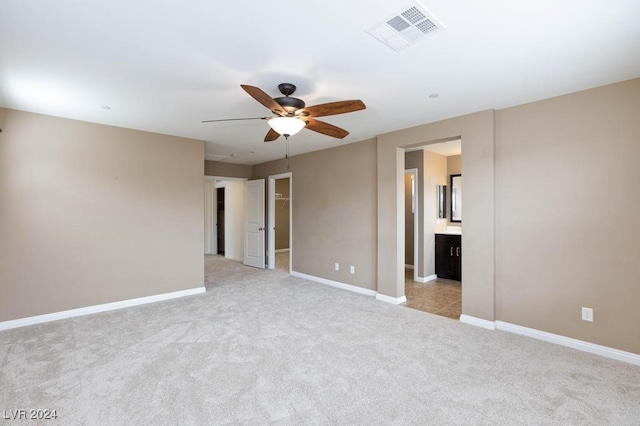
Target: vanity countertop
{"type": "Point", "coordinates": [452, 230]}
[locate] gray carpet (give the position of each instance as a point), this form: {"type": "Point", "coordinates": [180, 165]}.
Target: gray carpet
{"type": "Point", "coordinates": [261, 347]}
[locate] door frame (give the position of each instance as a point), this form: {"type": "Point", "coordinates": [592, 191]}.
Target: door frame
{"type": "Point", "coordinates": [271, 215]}
{"type": "Point", "coordinates": [414, 171]}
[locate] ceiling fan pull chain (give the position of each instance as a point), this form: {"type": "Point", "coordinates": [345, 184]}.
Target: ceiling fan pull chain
{"type": "Point", "coordinates": [287, 155]}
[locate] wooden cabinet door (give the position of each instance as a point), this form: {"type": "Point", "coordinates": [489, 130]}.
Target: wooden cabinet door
{"type": "Point", "coordinates": [457, 262]}
{"type": "Point", "coordinates": [445, 266]}
{"type": "Point", "coordinates": [448, 250]}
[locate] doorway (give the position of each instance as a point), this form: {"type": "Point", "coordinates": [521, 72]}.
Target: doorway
{"type": "Point", "coordinates": [411, 207]}
{"type": "Point", "coordinates": [223, 213]}
{"type": "Point", "coordinates": [280, 226]}
{"type": "Point", "coordinates": [428, 168]}
{"type": "Point", "coordinates": [220, 213]}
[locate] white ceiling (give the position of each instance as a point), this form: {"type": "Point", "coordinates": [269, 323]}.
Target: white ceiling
{"type": "Point", "coordinates": [164, 66]}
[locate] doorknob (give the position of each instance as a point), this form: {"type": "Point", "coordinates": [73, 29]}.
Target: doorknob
{"type": "Point", "coordinates": [260, 229]}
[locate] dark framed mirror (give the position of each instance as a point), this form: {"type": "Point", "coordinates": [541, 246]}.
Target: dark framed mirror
{"type": "Point", "coordinates": [456, 198]}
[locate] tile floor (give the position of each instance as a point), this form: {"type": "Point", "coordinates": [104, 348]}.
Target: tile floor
{"type": "Point", "coordinates": [440, 297]}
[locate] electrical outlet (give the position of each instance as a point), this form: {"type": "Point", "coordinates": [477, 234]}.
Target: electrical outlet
{"type": "Point", "coordinates": [337, 266]}
{"type": "Point", "coordinates": [587, 314]}
{"type": "Point", "coordinates": [353, 269]}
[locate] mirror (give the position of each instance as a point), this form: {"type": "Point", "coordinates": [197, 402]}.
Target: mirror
{"type": "Point", "coordinates": [456, 198]}
{"type": "Point", "coordinates": [442, 201]}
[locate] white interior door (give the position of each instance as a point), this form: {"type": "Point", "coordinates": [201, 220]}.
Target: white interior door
{"type": "Point", "coordinates": [254, 223]}
{"type": "Point", "coordinates": [210, 218]}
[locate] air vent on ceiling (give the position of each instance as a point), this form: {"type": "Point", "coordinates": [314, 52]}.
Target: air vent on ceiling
{"type": "Point", "coordinates": [412, 24]}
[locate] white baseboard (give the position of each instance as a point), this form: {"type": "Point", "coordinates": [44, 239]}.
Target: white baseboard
{"type": "Point", "coordinates": [282, 250]}
{"type": "Point", "coordinates": [349, 287]}
{"type": "Point", "coordinates": [581, 345]}
{"type": "Point", "coordinates": [426, 279]}
{"type": "Point", "coordinates": [389, 299]}
{"type": "Point", "coordinates": [55, 316]}
{"type": "Point", "coordinates": [408, 266]}
{"type": "Point", "coordinates": [336, 284]}
{"type": "Point", "coordinates": [478, 322]}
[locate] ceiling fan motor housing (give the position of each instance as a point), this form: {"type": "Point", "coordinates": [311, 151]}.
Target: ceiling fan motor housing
{"type": "Point", "coordinates": [289, 103]}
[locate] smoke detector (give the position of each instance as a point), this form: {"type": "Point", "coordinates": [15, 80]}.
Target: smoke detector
{"type": "Point", "coordinates": [410, 25]}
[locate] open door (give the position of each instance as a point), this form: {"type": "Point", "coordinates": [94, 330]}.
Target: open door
{"type": "Point", "coordinates": [254, 223]}
{"type": "Point", "coordinates": [210, 229]}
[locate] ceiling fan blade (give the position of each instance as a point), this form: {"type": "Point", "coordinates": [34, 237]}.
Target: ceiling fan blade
{"type": "Point", "coordinates": [266, 100]}
{"type": "Point", "coordinates": [235, 119]}
{"type": "Point", "coordinates": [325, 128]}
{"type": "Point", "coordinates": [333, 108]}
{"type": "Point", "coordinates": [272, 135]}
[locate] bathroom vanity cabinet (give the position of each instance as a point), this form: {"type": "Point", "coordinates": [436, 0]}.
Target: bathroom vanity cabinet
{"type": "Point", "coordinates": [449, 256]}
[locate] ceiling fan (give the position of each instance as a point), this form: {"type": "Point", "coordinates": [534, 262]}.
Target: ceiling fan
{"type": "Point", "coordinates": [291, 114]}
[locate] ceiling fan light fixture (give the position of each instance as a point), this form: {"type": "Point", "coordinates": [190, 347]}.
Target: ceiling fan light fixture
{"type": "Point", "coordinates": [286, 126]}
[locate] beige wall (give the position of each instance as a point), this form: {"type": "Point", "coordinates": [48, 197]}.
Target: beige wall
{"type": "Point", "coordinates": [454, 165]}
{"type": "Point", "coordinates": [435, 173]}
{"type": "Point", "coordinates": [334, 211]}
{"type": "Point", "coordinates": [223, 169]}
{"type": "Point", "coordinates": [282, 215]}
{"type": "Point", "coordinates": [91, 214]}
{"type": "Point", "coordinates": [567, 210]}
